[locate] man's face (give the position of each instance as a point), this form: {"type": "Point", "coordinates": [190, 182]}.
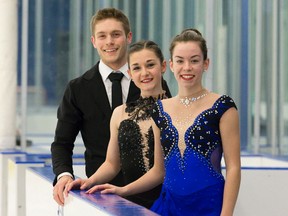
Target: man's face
{"type": "Point", "coordinates": [111, 42]}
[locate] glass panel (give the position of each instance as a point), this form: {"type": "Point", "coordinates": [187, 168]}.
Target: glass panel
{"type": "Point", "coordinates": [60, 50]}
{"type": "Point", "coordinates": [283, 96]}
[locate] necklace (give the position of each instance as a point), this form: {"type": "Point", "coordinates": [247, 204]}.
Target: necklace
{"type": "Point", "coordinates": [186, 101]}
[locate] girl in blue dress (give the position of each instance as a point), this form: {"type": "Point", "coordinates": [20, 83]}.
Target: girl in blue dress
{"type": "Point", "coordinates": [192, 130]}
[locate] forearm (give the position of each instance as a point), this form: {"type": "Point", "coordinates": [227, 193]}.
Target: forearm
{"type": "Point", "coordinates": [105, 173]}
{"type": "Point", "coordinates": [62, 147]}
{"type": "Point", "coordinates": [61, 158]}
{"type": "Point", "coordinates": [231, 190]}
{"type": "Point", "coordinates": [151, 179]}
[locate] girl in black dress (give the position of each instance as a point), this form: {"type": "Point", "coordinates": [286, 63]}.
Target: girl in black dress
{"type": "Point", "coordinates": [131, 146]}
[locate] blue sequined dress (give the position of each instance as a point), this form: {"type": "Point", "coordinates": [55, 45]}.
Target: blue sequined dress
{"type": "Point", "coordinates": [193, 182]}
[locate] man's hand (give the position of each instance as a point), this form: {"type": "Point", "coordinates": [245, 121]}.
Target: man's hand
{"type": "Point", "coordinates": [59, 188]}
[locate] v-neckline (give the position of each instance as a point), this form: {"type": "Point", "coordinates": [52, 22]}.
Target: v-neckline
{"type": "Point", "coordinates": [176, 145]}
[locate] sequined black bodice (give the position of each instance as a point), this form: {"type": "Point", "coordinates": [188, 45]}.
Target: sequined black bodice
{"type": "Point", "coordinates": [136, 144]}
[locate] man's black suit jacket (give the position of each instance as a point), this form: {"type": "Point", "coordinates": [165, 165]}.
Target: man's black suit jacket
{"type": "Point", "coordinates": [85, 107]}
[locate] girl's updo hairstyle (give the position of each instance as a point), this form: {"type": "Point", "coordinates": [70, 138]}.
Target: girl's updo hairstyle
{"type": "Point", "coordinates": [145, 44]}
{"type": "Point", "coordinates": [188, 35]}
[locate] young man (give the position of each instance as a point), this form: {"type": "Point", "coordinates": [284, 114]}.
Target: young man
{"type": "Point", "coordinates": [87, 101]}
